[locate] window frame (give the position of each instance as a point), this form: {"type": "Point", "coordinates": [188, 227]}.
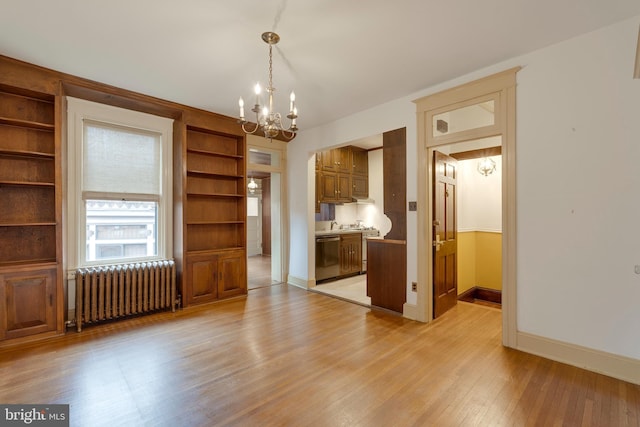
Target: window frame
{"type": "Point", "coordinates": [79, 111]}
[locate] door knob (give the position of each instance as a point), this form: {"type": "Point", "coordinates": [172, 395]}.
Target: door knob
{"type": "Point", "coordinates": [437, 243]}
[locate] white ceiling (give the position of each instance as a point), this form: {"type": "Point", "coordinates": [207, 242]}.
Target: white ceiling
{"type": "Point", "coordinates": [340, 56]}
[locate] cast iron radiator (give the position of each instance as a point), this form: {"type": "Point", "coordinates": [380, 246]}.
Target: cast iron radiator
{"type": "Point", "coordinates": [117, 291]}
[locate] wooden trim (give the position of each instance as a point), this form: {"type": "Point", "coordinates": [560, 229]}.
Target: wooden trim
{"type": "Point", "coordinates": [300, 283]}
{"type": "Point", "coordinates": [636, 71]}
{"type": "Point", "coordinates": [490, 84]}
{"type": "Point", "coordinates": [482, 294]}
{"type": "Point", "coordinates": [477, 154]}
{"type": "Point", "coordinates": [504, 85]}
{"type": "Point", "coordinates": [620, 367]}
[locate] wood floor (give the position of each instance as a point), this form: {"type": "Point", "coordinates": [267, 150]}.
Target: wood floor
{"type": "Point", "coordinates": [288, 357]}
{"type": "Point", "coordinates": [259, 271]}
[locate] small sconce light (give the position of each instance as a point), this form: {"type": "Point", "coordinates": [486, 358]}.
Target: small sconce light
{"type": "Point", "coordinates": [486, 166]}
{"type": "Point", "coordinates": [252, 186]}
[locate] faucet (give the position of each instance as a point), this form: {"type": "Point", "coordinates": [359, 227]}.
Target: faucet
{"type": "Point", "coordinates": [333, 223]}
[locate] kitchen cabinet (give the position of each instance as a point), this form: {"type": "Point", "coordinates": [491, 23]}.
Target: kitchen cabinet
{"type": "Point", "coordinates": [334, 188]}
{"type": "Point", "coordinates": [359, 161]}
{"type": "Point", "coordinates": [341, 175]}
{"type": "Point", "coordinates": [359, 186]}
{"type": "Point", "coordinates": [336, 160]}
{"type": "Point", "coordinates": [350, 253]}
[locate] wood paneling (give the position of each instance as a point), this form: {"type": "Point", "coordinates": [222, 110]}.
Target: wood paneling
{"type": "Point", "coordinates": [387, 273]}
{"type": "Point", "coordinates": [394, 165]}
{"type": "Point", "coordinates": [248, 362]}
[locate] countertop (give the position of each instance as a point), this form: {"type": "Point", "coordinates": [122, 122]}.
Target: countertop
{"type": "Point", "coordinates": [341, 231]}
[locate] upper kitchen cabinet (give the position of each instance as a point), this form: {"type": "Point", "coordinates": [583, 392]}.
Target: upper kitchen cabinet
{"type": "Point", "coordinates": [336, 160]}
{"type": "Point", "coordinates": [359, 161]}
{"type": "Point", "coordinates": [341, 175]}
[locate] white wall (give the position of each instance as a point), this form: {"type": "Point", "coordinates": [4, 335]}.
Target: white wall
{"type": "Point", "coordinates": [479, 197]}
{"type": "Point", "coordinates": [578, 150]}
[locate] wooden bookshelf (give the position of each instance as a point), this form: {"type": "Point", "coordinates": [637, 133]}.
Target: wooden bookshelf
{"type": "Point", "coordinates": [29, 214]}
{"type": "Point", "coordinates": [213, 215]}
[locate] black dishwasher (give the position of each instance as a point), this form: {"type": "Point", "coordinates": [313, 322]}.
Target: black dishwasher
{"type": "Point", "coordinates": [327, 257]}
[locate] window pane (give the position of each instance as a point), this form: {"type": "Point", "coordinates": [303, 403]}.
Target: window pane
{"type": "Point", "coordinates": [465, 118]}
{"type": "Point", "coordinates": [264, 157]}
{"type": "Point", "coordinates": [121, 229]}
{"type": "Point", "coordinates": [120, 160]}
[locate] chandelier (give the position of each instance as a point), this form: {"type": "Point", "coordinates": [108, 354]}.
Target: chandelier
{"type": "Point", "coordinates": [252, 186]}
{"type": "Point", "coordinates": [268, 121]}
{"type": "Point", "coordinates": [486, 166]}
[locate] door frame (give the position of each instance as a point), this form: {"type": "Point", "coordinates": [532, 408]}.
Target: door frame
{"type": "Point", "coordinates": [501, 88]}
{"type": "Point", "coordinates": [279, 147]}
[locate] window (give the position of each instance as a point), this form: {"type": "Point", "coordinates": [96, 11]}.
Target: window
{"type": "Point", "coordinates": [119, 185]}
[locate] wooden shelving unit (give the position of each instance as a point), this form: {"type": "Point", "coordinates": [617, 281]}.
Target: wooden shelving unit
{"type": "Point", "coordinates": [29, 214]}
{"type": "Point", "coordinates": [213, 215]}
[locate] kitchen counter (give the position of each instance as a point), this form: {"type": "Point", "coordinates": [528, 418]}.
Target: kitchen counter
{"type": "Point", "coordinates": [339, 231]}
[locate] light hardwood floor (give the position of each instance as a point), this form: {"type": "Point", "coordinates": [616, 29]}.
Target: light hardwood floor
{"type": "Point", "coordinates": [288, 357]}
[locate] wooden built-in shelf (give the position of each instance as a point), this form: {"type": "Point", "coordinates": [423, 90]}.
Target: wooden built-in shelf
{"type": "Point", "coordinates": [28, 183]}
{"type": "Point", "coordinates": [29, 224]}
{"type": "Point", "coordinates": [27, 124]}
{"type": "Point", "coordinates": [213, 222]}
{"type": "Point", "coordinates": [215, 195]}
{"type": "Point", "coordinates": [213, 174]}
{"type": "Point", "coordinates": [29, 154]}
{"type": "Point", "coordinates": [32, 264]}
{"type": "Point", "coordinates": [208, 251]}
{"type": "Point", "coordinates": [214, 153]}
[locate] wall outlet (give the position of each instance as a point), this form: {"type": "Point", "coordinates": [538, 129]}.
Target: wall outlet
{"type": "Point", "coordinates": [414, 285]}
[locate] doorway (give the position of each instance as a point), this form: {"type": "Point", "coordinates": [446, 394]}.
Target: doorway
{"type": "Point", "coordinates": [440, 123]}
{"type": "Point", "coordinates": [468, 224]}
{"type": "Point", "coordinates": [265, 209]}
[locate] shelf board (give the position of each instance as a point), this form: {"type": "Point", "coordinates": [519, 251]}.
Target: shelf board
{"type": "Point", "coordinates": [24, 153]}
{"type": "Point", "coordinates": [36, 263]}
{"type": "Point", "coordinates": [28, 224]}
{"type": "Point", "coordinates": [28, 183]}
{"type": "Point", "coordinates": [214, 153]}
{"type": "Point", "coordinates": [212, 174]}
{"type": "Point", "coordinates": [27, 124]}
{"type": "Point", "coordinates": [217, 250]}
{"type": "Point", "coordinates": [214, 222]}
{"type": "Point", "coordinates": [189, 193]}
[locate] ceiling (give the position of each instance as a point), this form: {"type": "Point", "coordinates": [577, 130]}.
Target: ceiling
{"type": "Point", "coordinates": [341, 57]}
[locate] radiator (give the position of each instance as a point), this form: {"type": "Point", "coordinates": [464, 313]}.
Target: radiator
{"type": "Point", "coordinates": [117, 291]}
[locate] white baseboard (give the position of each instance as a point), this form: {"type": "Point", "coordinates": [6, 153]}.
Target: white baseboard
{"type": "Point", "coordinates": [300, 283]}
{"type": "Point", "coordinates": [410, 311]}
{"type": "Point", "coordinates": [620, 367]}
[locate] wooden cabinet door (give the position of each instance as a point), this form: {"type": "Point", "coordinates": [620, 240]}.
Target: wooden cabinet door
{"type": "Point", "coordinates": [343, 183]}
{"type": "Point", "coordinates": [328, 187]}
{"type": "Point", "coordinates": [29, 303]}
{"type": "Point", "coordinates": [327, 162]}
{"type": "Point", "coordinates": [350, 254]}
{"type": "Point", "coordinates": [201, 278]}
{"type": "Point", "coordinates": [342, 157]}
{"type": "Point", "coordinates": [359, 186]}
{"type": "Point", "coordinates": [360, 161]}
{"type": "Point", "coordinates": [231, 275]}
